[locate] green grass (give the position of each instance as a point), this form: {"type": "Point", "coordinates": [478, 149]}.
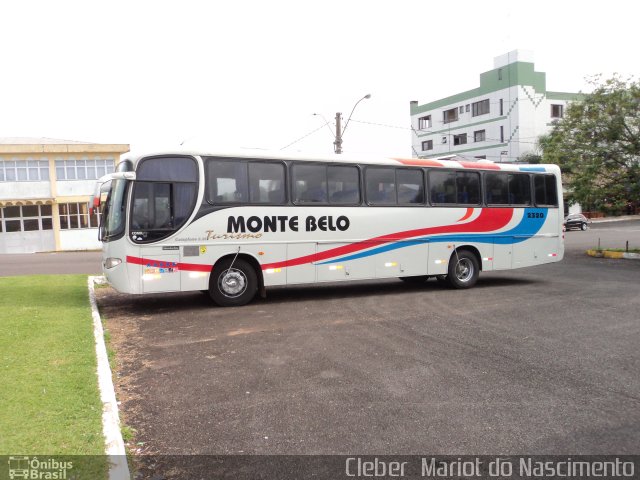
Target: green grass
{"type": "Point", "coordinates": [49, 397]}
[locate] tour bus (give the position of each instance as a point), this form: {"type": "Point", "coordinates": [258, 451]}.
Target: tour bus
{"type": "Point", "coordinates": [232, 225]}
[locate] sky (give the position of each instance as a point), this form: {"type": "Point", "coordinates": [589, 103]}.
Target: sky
{"type": "Point", "coordinates": [251, 74]}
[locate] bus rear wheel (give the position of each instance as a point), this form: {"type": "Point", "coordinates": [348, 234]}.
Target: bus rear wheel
{"type": "Point", "coordinates": [233, 283]}
{"type": "Point", "coordinates": [463, 269]}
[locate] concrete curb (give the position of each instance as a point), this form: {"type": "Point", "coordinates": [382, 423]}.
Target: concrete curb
{"type": "Point", "coordinates": [616, 255]}
{"type": "Point", "coordinates": [114, 444]}
{"type": "Point", "coordinates": [622, 218]}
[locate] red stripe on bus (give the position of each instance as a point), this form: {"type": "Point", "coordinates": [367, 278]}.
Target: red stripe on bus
{"type": "Point", "coordinates": [189, 267]}
{"type": "Point", "coordinates": [419, 162]}
{"type": "Point", "coordinates": [467, 215]}
{"type": "Point", "coordinates": [474, 165]}
{"type": "Point", "coordinates": [489, 219]}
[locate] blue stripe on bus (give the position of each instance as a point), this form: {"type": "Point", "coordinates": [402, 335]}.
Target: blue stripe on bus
{"type": "Point", "coordinates": [533, 169]}
{"type": "Point", "coordinates": [530, 224]}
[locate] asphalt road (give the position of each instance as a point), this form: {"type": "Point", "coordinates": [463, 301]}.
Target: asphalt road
{"type": "Point", "coordinates": [534, 361]}
{"type": "Point", "coordinates": [51, 263]}
{"type": "Point", "coordinates": [612, 234]}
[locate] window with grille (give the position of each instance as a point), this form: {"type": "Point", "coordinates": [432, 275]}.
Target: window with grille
{"type": "Point", "coordinates": [24, 170]}
{"type": "Point", "coordinates": [77, 215]}
{"type": "Point", "coordinates": [424, 122]}
{"type": "Point", "coordinates": [480, 108]}
{"type": "Point", "coordinates": [25, 218]}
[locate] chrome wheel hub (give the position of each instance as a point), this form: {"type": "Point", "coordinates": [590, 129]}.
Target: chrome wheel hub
{"type": "Point", "coordinates": [464, 270]}
{"type": "Point", "coordinates": [232, 283]}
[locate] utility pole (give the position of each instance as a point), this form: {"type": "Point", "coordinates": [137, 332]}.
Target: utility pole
{"type": "Point", "coordinates": [337, 143]}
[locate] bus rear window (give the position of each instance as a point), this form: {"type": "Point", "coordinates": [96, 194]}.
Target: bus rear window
{"type": "Point", "coordinates": [545, 190]}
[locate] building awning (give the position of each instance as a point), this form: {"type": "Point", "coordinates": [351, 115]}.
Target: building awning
{"type": "Point", "coordinates": [26, 201]}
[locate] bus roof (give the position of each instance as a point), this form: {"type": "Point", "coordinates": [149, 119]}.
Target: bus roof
{"type": "Point", "coordinates": [449, 161]}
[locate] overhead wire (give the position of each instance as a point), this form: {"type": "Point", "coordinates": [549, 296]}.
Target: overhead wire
{"type": "Point", "coordinates": [305, 136]}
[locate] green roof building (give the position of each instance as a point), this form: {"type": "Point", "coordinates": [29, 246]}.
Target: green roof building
{"type": "Point", "coordinates": [500, 120]}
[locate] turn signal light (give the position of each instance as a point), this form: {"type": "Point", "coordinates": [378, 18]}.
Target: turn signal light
{"type": "Point", "coordinates": [112, 262]}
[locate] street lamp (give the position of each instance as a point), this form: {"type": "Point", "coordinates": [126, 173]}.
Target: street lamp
{"type": "Point", "coordinates": [337, 143]}
{"type": "Point", "coordinates": [339, 133]}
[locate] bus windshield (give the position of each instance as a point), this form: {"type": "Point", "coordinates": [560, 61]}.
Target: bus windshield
{"type": "Point", "coordinates": [113, 213]}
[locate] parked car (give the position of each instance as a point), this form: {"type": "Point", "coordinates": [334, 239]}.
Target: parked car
{"type": "Point", "coordinates": [576, 220]}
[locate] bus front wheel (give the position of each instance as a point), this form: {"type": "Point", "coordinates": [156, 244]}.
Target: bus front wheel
{"type": "Point", "coordinates": [233, 283]}
{"type": "Point", "coordinates": [463, 269]}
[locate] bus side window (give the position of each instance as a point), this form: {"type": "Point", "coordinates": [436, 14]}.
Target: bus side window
{"type": "Point", "coordinates": [468, 188]}
{"type": "Point", "coordinates": [309, 183]}
{"type": "Point", "coordinates": [442, 186]}
{"type": "Point", "coordinates": [507, 189]}
{"type": "Point", "coordinates": [381, 186]}
{"type": "Point", "coordinates": [410, 185]}
{"type": "Point", "coordinates": [496, 189]}
{"type": "Point", "coordinates": [344, 184]}
{"type": "Point", "coordinates": [266, 182]}
{"type": "Point", "coordinates": [519, 189]}
{"type": "Point", "coordinates": [227, 181]}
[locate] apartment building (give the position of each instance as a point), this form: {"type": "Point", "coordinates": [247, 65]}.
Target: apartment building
{"type": "Point", "coordinates": [500, 120]}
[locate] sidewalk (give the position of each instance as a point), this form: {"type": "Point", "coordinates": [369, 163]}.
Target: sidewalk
{"type": "Point", "coordinates": [615, 219]}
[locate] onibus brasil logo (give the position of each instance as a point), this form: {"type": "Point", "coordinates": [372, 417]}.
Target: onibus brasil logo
{"type": "Point", "coordinates": [33, 468]}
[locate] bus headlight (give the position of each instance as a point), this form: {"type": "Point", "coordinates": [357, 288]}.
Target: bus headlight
{"type": "Point", "coordinates": [112, 262]}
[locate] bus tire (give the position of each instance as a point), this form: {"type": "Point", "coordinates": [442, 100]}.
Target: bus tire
{"type": "Point", "coordinates": [235, 286]}
{"type": "Point", "coordinates": [415, 279]}
{"type": "Point", "coordinates": [463, 269]}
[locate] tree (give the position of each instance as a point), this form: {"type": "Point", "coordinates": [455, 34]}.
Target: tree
{"type": "Point", "coordinates": [535, 156]}
{"type": "Point", "coordinates": [597, 146]}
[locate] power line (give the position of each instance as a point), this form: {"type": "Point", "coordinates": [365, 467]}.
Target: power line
{"type": "Point", "coordinates": [305, 136]}
{"type": "Point", "coordinates": [383, 125]}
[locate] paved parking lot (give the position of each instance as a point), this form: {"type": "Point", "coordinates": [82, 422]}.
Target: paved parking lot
{"type": "Point", "coordinates": [539, 360]}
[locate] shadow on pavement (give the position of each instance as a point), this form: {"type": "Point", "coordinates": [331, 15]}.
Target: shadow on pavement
{"type": "Point", "coordinates": [170, 302]}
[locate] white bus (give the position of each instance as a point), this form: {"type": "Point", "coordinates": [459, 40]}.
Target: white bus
{"type": "Point", "coordinates": [233, 225]}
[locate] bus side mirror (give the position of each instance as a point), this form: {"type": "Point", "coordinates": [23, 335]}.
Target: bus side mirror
{"type": "Point", "coordinates": [94, 205]}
